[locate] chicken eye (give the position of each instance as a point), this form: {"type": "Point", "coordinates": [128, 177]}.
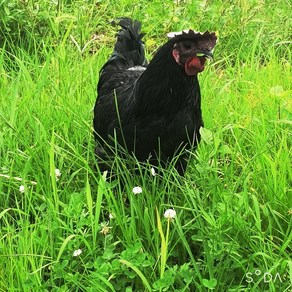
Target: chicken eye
{"type": "Point", "coordinates": [187, 46]}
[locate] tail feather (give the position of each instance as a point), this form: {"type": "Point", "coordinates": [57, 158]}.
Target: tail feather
{"type": "Point", "coordinates": [129, 48]}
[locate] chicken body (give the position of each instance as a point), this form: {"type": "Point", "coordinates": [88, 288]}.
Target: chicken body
{"type": "Point", "coordinates": [154, 111]}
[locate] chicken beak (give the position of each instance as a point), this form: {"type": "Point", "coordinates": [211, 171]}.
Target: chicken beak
{"type": "Point", "coordinates": [208, 55]}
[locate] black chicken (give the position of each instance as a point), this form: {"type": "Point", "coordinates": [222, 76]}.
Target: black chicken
{"type": "Point", "coordinates": [153, 111]}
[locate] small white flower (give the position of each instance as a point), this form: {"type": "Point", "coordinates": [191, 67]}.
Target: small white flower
{"type": "Point", "coordinates": [137, 190]}
{"type": "Point", "coordinates": [153, 172]}
{"type": "Point", "coordinates": [111, 216]}
{"type": "Point", "coordinates": [57, 173]}
{"type": "Point", "coordinates": [170, 213]}
{"type": "Point", "coordinates": [77, 252]}
{"type": "Point", "coordinates": [105, 229]}
{"type": "Point", "coordinates": [22, 189]}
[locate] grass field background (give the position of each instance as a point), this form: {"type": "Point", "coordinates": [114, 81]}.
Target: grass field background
{"type": "Point", "coordinates": [75, 230]}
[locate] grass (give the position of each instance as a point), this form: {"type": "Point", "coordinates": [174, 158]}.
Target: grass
{"type": "Point", "coordinates": [232, 230]}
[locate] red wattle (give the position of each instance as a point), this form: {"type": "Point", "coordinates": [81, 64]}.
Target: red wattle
{"type": "Point", "coordinates": [194, 65]}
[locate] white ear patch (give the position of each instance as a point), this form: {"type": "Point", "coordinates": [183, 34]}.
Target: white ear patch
{"type": "Point", "coordinates": [175, 55]}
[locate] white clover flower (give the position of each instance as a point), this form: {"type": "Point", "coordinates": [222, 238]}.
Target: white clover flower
{"type": "Point", "coordinates": [57, 173]}
{"type": "Point", "coordinates": [22, 189]}
{"type": "Point", "coordinates": [153, 172]}
{"type": "Point", "coordinates": [77, 252]}
{"type": "Point", "coordinates": [170, 213]}
{"type": "Point", "coordinates": [105, 229]}
{"type": "Point", "coordinates": [137, 190]}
